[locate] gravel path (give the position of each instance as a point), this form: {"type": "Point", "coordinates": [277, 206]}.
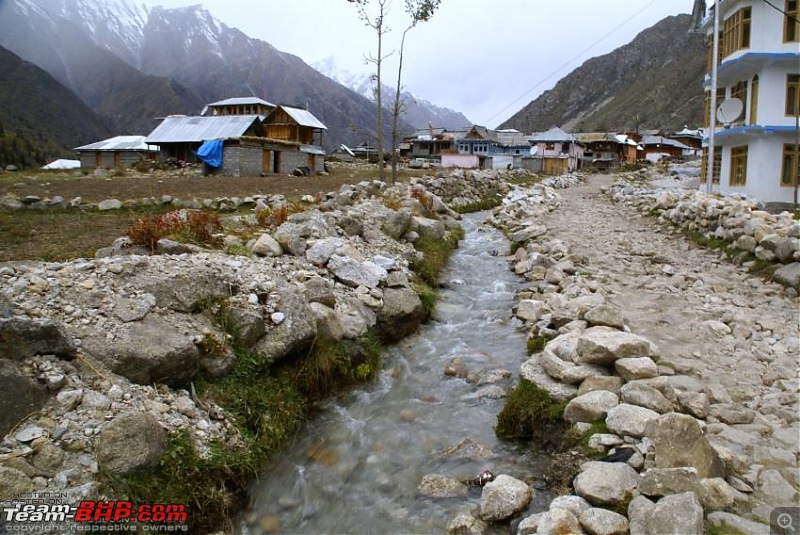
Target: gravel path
{"type": "Point", "coordinates": [735, 335]}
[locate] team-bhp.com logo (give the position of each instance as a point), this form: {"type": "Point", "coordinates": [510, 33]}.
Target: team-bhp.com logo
{"type": "Point", "coordinates": [37, 515]}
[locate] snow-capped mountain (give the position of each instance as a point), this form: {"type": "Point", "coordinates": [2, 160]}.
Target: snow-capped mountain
{"type": "Point", "coordinates": [417, 112]}
{"type": "Point", "coordinates": [133, 63]}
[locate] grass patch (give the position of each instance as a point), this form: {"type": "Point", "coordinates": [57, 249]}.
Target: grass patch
{"type": "Point", "coordinates": [723, 530]}
{"type": "Point", "coordinates": [530, 413]}
{"type": "Point", "coordinates": [483, 204]}
{"type": "Point", "coordinates": [435, 254]}
{"type": "Point", "coordinates": [186, 226]}
{"type": "Point", "coordinates": [536, 344]}
{"type": "Point", "coordinates": [428, 297]}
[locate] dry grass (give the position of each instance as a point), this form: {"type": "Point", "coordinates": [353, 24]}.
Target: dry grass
{"type": "Point", "coordinates": [57, 235]}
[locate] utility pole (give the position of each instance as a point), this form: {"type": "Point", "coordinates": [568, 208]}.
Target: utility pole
{"type": "Point", "coordinates": [712, 123]}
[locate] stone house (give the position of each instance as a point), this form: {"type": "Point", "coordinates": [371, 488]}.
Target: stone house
{"type": "Point", "coordinates": [120, 151]}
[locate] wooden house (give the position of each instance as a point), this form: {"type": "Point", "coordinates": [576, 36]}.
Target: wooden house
{"type": "Point", "coordinates": [239, 106]}
{"type": "Point", "coordinates": [603, 149]}
{"type": "Point", "coordinates": [557, 151]}
{"type": "Point", "coordinates": [120, 151]}
{"type": "Point", "coordinates": [658, 147]}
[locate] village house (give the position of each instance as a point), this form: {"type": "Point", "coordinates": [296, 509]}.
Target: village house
{"type": "Point", "coordinates": [555, 152]}
{"type": "Point", "coordinates": [603, 150]}
{"type": "Point", "coordinates": [759, 64]}
{"type": "Point", "coordinates": [116, 152]}
{"type": "Point", "coordinates": [656, 148]}
{"type": "Point", "coordinates": [273, 140]}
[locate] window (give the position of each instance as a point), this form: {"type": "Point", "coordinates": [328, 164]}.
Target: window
{"type": "Point", "coordinates": [707, 102]}
{"type": "Point", "coordinates": [793, 94]}
{"type": "Point", "coordinates": [738, 176]}
{"type": "Point", "coordinates": [549, 146]}
{"type": "Point", "coordinates": [790, 164]}
{"type": "Point", "coordinates": [791, 25]}
{"type": "Point", "coordinates": [736, 32]}
{"type": "Point", "coordinates": [754, 100]}
{"type": "Point", "coordinates": [717, 165]}
{"type": "Point", "coordinates": [739, 91]}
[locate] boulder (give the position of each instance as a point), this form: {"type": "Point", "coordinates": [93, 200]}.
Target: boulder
{"type": "Point", "coordinates": [247, 323]}
{"type": "Point", "coordinates": [788, 275]}
{"type": "Point", "coordinates": [657, 482]}
{"type": "Point", "coordinates": [629, 420]}
{"type": "Point", "coordinates": [591, 406]}
{"type": "Point", "coordinates": [109, 204]}
{"type": "Point", "coordinates": [13, 482]}
{"type": "Point", "coordinates": [531, 370]}
{"type": "Point", "coordinates": [401, 314]}
{"type": "Point", "coordinates": [151, 350]}
{"type": "Point", "coordinates": [606, 315]}
{"type": "Point", "coordinates": [570, 502]}
{"type": "Point", "coordinates": [679, 441]}
{"type": "Point", "coordinates": [357, 273]}
{"type": "Point", "coordinates": [635, 368]}
{"type": "Point", "coordinates": [530, 310]}
{"type": "Point", "coordinates": [297, 330]}
{"type": "Point", "coordinates": [643, 395]}
{"type": "Point", "coordinates": [186, 291]}
{"type": "Point", "coordinates": [612, 383]}
{"type": "Point", "coordinates": [678, 514]}
{"type": "Point", "coordinates": [19, 396]}
{"type": "Point", "coordinates": [640, 509]}
{"type": "Point", "coordinates": [395, 224]}
{"type": "Point", "coordinates": [439, 486]}
{"type": "Point", "coordinates": [328, 322]}
{"type": "Point", "coordinates": [131, 442]}
{"type": "Point", "coordinates": [603, 522]}
{"type": "Point", "coordinates": [717, 494]}
{"type": "Point", "coordinates": [603, 483]}
{"type": "Point", "coordinates": [322, 250]}
{"type": "Point", "coordinates": [604, 346]}
{"type": "Point", "coordinates": [266, 245]}
{"type": "Point", "coordinates": [557, 521]}
{"type": "Point", "coordinates": [428, 228]}
{"type": "Point", "coordinates": [504, 497]}
{"type": "Point", "coordinates": [21, 338]}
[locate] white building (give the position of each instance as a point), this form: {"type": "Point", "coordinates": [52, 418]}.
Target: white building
{"type": "Point", "coordinates": [759, 54]}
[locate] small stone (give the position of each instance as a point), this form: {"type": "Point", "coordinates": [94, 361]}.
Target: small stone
{"type": "Point", "coordinates": [30, 433]}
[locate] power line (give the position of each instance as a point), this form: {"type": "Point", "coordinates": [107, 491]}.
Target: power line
{"type": "Point", "coordinates": [776, 8]}
{"type": "Point", "coordinates": [626, 21]}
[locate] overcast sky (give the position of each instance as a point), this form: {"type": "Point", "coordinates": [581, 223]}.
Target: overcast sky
{"type": "Point", "coordinates": [484, 58]}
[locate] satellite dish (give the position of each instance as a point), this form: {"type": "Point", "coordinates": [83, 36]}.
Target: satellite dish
{"type": "Point", "coordinates": [729, 110]}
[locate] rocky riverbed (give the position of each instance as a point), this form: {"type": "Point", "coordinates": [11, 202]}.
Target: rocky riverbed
{"type": "Point", "coordinates": [690, 362]}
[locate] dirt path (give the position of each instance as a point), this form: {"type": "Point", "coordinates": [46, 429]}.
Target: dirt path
{"type": "Point", "coordinates": [734, 332]}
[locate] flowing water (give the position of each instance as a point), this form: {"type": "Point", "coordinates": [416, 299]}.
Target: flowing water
{"type": "Point", "coordinates": [355, 467]}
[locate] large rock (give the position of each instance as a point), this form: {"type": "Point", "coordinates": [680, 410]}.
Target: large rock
{"type": "Point", "coordinates": [531, 370]}
{"type": "Point", "coordinates": [678, 514]}
{"type": "Point", "coordinates": [295, 332]}
{"type": "Point", "coordinates": [13, 482]}
{"type": "Point", "coordinates": [465, 523]}
{"type": "Point", "coordinates": [266, 245]}
{"type": "Point", "coordinates": [439, 486]}
{"type": "Point", "coordinates": [504, 497]}
{"type": "Point", "coordinates": [401, 314]}
{"type": "Point", "coordinates": [606, 483]}
{"type": "Point", "coordinates": [629, 420]}
{"type": "Point", "coordinates": [788, 275]}
{"type": "Point", "coordinates": [643, 395]}
{"type": "Point", "coordinates": [322, 250]}
{"type": "Point", "coordinates": [428, 228]}
{"type": "Point", "coordinates": [604, 346]}
{"type": "Point", "coordinates": [328, 322]}
{"type": "Point", "coordinates": [357, 273]}
{"type": "Point", "coordinates": [152, 350]}
{"type": "Point", "coordinates": [635, 368]}
{"type": "Point", "coordinates": [22, 338]}
{"type": "Point", "coordinates": [590, 407]}
{"type": "Point", "coordinates": [187, 291]}
{"type": "Point", "coordinates": [657, 482]}
{"type": "Point", "coordinates": [19, 396]}
{"type": "Point", "coordinates": [598, 521]}
{"type": "Point", "coordinates": [131, 442]}
{"type": "Point", "coordinates": [679, 441]}
{"type": "Point", "coordinates": [606, 315]}
{"type": "Point", "coordinates": [395, 224]}
{"type": "Point", "coordinates": [557, 521]}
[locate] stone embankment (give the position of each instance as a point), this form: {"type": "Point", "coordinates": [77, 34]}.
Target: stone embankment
{"type": "Point", "coordinates": [754, 233]}
{"type": "Point", "coordinates": [688, 363]}
{"type": "Point", "coordinates": [98, 356]}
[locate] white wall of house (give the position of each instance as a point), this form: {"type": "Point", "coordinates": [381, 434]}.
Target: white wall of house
{"type": "Point", "coordinates": [465, 161]}
{"type": "Point", "coordinates": [764, 166]}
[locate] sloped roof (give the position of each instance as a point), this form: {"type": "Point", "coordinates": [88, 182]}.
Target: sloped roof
{"type": "Point", "coordinates": [554, 135]}
{"type": "Point", "coordinates": [235, 101]}
{"type": "Point", "coordinates": [197, 129]}
{"type": "Point", "coordinates": [300, 116]}
{"type": "Point", "coordinates": [482, 132]}
{"type": "Point", "coordinates": [512, 138]}
{"type": "Point", "coordinates": [118, 143]}
{"type": "Point", "coordinates": [660, 140]}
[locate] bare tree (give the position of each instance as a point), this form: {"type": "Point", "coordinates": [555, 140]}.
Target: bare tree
{"type": "Point", "coordinates": [377, 23]}
{"type": "Point", "coordinates": [418, 11]}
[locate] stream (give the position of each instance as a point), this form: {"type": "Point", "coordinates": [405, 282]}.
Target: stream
{"type": "Point", "coordinates": [355, 467]}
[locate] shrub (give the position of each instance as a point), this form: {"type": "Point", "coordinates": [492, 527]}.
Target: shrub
{"type": "Point", "coordinates": [182, 225]}
{"type": "Point", "coordinates": [529, 412]}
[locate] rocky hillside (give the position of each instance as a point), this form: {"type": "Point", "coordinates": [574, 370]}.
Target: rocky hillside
{"type": "Point", "coordinates": [655, 81]}
{"type": "Point", "coordinates": [40, 118]}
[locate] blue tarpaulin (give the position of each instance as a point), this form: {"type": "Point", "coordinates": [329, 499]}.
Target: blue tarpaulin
{"type": "Point", "coordinates": [210, 152]}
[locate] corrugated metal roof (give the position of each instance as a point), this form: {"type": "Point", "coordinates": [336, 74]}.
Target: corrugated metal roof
{"type": "Point", "coordinates": [118, 143]}
{"type": "Point", "coordinates": [312, 149]}
{"type": "Point", "coordinates": [197, 129]}
{"type": "Point", "coordinates": [235, 101]}
{"type": "Point", "coordinates": [63, 164]}
{"type": "Point", "coordinates": [555, 134]}
{"type": "Point", "coordinates": [304, 117]}
{"type": "Point", "coordinates": [660, 140]}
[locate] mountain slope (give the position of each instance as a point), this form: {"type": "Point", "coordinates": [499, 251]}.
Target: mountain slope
{"type": "Point", "coordinates": [655, 82]}
{"type": "Point", "coordinates": [44, 117]}
{"type": "Point", "coordinates": [128, 98]}
{"type": "Point", "coordinates": [417, 112]}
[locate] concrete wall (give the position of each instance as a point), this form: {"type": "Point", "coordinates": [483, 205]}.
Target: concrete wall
{"type": "Point", "coordinates": [248, 160]}
{"type": "Point", "coordinates": [465, 161]}
{"type": "Point", "coordinates": [126, 159]}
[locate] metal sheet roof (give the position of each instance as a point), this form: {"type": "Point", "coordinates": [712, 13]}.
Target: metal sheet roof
{"type": "Point", "coordinates": [553, 135]}
{"type": "Point", "coordinates": [119, 143]}
{"type": "Point", "coordinates": [304, 117]}
{"type": "Point", "coordinates": [63, 164]}
{"type": "Point", "coordinates": [235, 101]}
{"type": "Point", "coordinates": [197, 129]}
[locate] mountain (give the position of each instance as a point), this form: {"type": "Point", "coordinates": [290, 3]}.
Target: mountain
{"type": "Point", "coordinates": [417, 112]}
{"type": "Point", "coordinates": [654, 82]}
{"type": "Point", "coordinates": [133, 63]}
{"type": "Point", "coordinates": [40, 119]}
